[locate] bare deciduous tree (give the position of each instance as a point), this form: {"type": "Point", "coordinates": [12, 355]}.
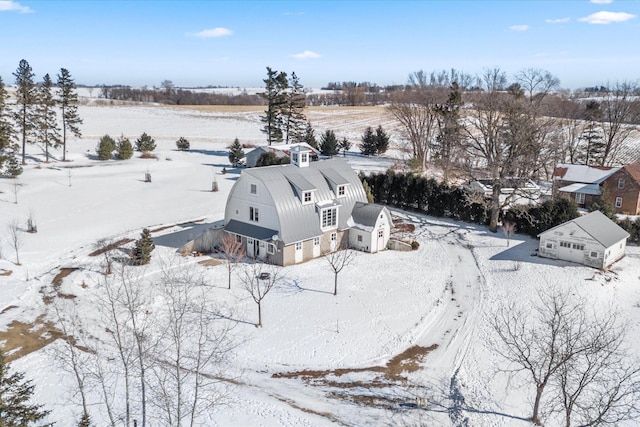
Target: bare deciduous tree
{"type": "Point", "coordinates": [561, 343]}
{"type": "Point", "coordinates": [15, 238]}
{"type": "Point", "coordinates": [258, 280]}
{"type": "Point", "coordinates": [618, 111]}
{"type": "Point", "coordinates": [15, 188]}
{"type": "Point", "coordinates": [233, 252]}
{"type": "Point", "coordinates": [337, 261]}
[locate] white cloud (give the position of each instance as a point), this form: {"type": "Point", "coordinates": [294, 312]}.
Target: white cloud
{"type": "Point", "coordinates": [307, 54]}
{"type": "Point", "coordinates": [557, 21]}
{"type": "Point", "coordinates": [604, 17]}
{"type": "Point", "coordinates": [601, 1]}
{"type": "Point", "coordinates": [12, 6]}
{"type": "Point", "coordinates": [519, 27]}
{"type": "Point", "coordinates": [215, 32]}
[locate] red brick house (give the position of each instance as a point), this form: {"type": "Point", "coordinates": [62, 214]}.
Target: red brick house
{"type": "Point", "coordinates": [587, 184]}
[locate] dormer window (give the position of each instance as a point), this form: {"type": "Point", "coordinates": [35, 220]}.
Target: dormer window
{"type": "Point", "coordinates": [305, 157]}
{"type": "Point", "coordinates": [329, 217]}
{"type": "Point", "coordinates": [307, 197]}
{"type": "Point", "coordinates": [341, 190]}
{"type": "Point", "coordinates": [294, 157]}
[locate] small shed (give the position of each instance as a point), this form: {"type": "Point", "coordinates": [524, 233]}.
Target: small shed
{"type": "Point", "coordinates": [371, 227]}
{"type": "Point", "coordinates": [591, 239]}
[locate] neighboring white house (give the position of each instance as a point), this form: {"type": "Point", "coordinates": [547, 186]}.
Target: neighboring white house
{"type": "Point", "coordinates": [292, 213]}
{"type": "Point", "coordinates": [592, 240]}
{"type": "Point", "coordinates": [280, 150]}
{"type": "Point", "coordinates": [518, 191]}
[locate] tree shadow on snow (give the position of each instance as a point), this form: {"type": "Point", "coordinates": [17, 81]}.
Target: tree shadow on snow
{"type": "Point", "coordinates": [210, 152]}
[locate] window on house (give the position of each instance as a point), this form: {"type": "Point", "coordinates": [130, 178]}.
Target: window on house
{"type": "Point", "coordinates": [238, 238]}
{"type": "Point", "coordinates": [304, 157]}
{"type": "Point", "coordinates": [380, 233]}
{"type": "Point", "coordinates": [271, 249]}
{"type": "Point", "coordinates": [580, 198]}
{"type": "Point", "coordinates": [594, 254]}
{"type": "Point", "coordinates": [565, 244]}
{"type": "Point", "coordinates": [307, 196]}
{"type": "Point", "coordinates": [329, 217]}
{"type": "Point", "coordinates": [253, 214]}
{"type": "Point", "coordinates": [621, 183]}
{"type": "Point", "coordinates": [359, 238]}
{"type": "Point", "coordinates": [316, 241]}
{"type": "Point", "coordinates": [578, 246]}
{"type": "Point", "coordinates": [294, 157]}
{"type": "Point", "coordinates": [340, 190]}
{"type": "Point", "coordinates": [334, 237]}
{"type": "Point", "coordinates": [253, 189]}
{"type": "Point", "coordinates": [549, 245]}
{"type": "Point", "coordinates": [298, 246]}
{"type": "Point", "coordinates": [618, 202]}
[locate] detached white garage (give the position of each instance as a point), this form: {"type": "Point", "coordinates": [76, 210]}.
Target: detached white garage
{"type": "Point", "coordinates": [591, 239]}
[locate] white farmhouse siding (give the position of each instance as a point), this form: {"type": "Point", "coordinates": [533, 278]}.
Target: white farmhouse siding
{"type": "Point", "coordinates": [371, 229]}
{"type": "Point", "coordinates": [592, 240]}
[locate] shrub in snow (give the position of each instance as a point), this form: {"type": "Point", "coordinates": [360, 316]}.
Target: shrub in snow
{"type": "Point", "coordinates": [183, 144]}
{"type": "Point", "coordinates": [124, 149]}
{"type": "Point", "coordinates": [105, 147]}
{"type": "Point", "coordinates": [13, 167]}
{"type": "Point", "coordinates": [145, 143]}
{"type": "Point", "coordinates": [141, 253]}
{"type": "Point", "coordinates": [415, 245]}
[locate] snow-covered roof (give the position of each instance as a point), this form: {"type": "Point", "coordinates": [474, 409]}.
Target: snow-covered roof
{"type": "Point", "coordinates": [583, 173]}
{"type": "Point", "coordinates": [599, 227]}
{"type": "Point", "coordinates": [582, 188]}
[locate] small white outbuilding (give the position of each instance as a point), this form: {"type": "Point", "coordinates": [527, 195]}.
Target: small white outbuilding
{"type": "Point", "coordinates": [591, 239]}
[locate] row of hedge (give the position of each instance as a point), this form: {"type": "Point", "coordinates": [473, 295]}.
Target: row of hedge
{"type": "Point", "coordinates": [426, 195]}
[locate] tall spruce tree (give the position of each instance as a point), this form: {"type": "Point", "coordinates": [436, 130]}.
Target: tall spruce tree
{"type": "Point", "coordinates": [329, 143]}
{"type": "Point", "coordinates": [276, 84]}
{"type": "Point", "coordinates": [236, 152]}
{"type": "Point", "coordinates": [8, 148]}
{"type": "Point", "coordinates": [382, 141]}
{"type": "Point", "coordinates": [26, 97]}
{"type": "Point", "coordinates": [593, 146]}
{"type": "Point", "coordinates": [344, 145]}
{"type": "Point", "coordinates": [369, 145]}
{"type": "Point", "coordinates": [294, 120]}
{"type": "Point", "coordinates": [449, 130]}
{"type": "Point", "coordinates": [68, 102]}
{"type": "Point", "coordinates": [15, 395]}
{"type": "Point", "coordinates": [310, 136]}
{"type": "Point", "coordinates": [47, 131]}
{"type": "Point", "coordinates": [141, 254]}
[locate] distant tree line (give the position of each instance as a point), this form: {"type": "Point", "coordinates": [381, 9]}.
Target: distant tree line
{"type": "Point", "coordinates": [33, 119]}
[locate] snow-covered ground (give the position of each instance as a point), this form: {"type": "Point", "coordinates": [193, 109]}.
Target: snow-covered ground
{"type": "Point", "coordinates": [431, 303]}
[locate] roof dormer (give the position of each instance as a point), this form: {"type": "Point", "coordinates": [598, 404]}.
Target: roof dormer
{"type": "Point", "coordinates": [300, 156]}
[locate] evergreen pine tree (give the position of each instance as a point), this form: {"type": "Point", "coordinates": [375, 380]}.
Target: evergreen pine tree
{"type": "Point", "coordinates": [145, 143]}
{"type": "Point", "coordinates": [344, 145]}
{"type": "Point", "coordinates": [275, 86]}
{"type": "Point", "coordinates": [310, 136]}
{"type": "Point", "coordinates": [369, 145]}
{"type": "Point", "coordinates": [382, 141]}
{"type": "Point", "coordinates": [26, 97]}
{"type": "Point", "coordinates": [85, 420]}
{"type": "Point", "coordinates": [141, 254]}
{"type": "Point", "coordinates": [13, 168]}
{"type": "Point", "coordinates": [124, 149]}
{"type": "Point", "coordinates": [183, 144]}
{"type": "Point", "coordinates": [294, 119]}
{"type": "Point", "coordinates": [329, 143]}
{"type": "Point", "coordinates": [105, 147]}
{"type": "Point", "coordinates": [68, 101]}
{"type": "Point", "coordinates": [15, 394]}
{"type": "Point", "coordinates": [236, 152]}
{"type": "Point", "coordinates": [449, 129]}
{"type": "Point", "coordinates": [47, 131]}
{"type": "Point", "coordinates": [7, 147]}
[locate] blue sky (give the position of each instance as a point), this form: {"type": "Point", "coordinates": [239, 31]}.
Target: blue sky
{"type": "Point", "coordinates": [229, 43]}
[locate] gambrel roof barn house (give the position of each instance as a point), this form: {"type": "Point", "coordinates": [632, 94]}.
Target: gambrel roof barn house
{"type": "Point", "coordinates": [288, 214]}
{"type": "Point", "coordinates": [620, 186]}
{"type": "Point", "coordinates": [591, 239]}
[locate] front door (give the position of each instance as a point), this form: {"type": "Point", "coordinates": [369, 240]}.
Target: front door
{"type": "Point", "coordinates": [297, 257]}
{"type": "Point", "coordinates": [250, 248]}
{"type": "Point", "coordinates": [262, 250]}
{"type": "Point", "coordinates": [316, 247]}
{"type": "Point", "coordinates": [380, 239]}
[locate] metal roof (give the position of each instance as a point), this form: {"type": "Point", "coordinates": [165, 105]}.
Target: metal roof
{"type": "Point", "coordinates": [299, 182]}
{"type": "Point", "coordinates": [250, 230]}
{"type": "Point", "coordinates": [597, 225]}
{"type": "Point", "coordinates": [366, 213]}
{"type": "Point", "coordinates": [582, 188]}
{"type": "Point", "coordinates": [300, 221]}
{"type": "Point", "coordinates": [334, 176]}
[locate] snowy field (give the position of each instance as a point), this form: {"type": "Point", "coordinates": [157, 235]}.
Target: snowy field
{"type": "Point", "coordinates": [403, 325]}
